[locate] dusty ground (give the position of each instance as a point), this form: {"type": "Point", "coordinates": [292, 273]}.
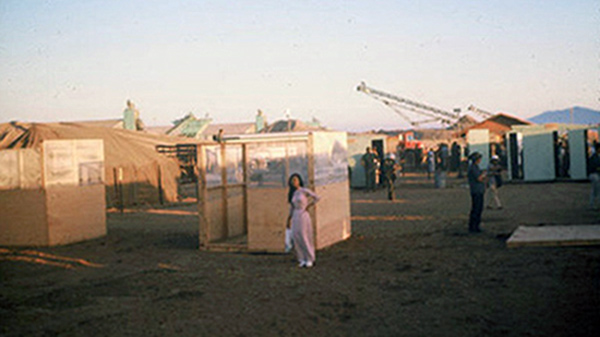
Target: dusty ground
{"type": "Point", "coordinates": [410, 269]}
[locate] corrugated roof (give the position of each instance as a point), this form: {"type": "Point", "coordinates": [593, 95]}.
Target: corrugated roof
{"type": "Point", "coordinates": [498, 123]}
{"type": "Point", "coordinates": [229, 128]}
{"type": "Point", "coordinates": [291, 125]}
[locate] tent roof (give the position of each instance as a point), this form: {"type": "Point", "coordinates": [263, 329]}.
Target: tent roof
{"type": "Point", "coordinates": [102, 123]}
{"type": "Point", "coordinates": [121, 147]}
{"type": "Point", "coordinates": [11, 131]}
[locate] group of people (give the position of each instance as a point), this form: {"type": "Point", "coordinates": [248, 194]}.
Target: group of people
{"type": "Point", "coordinates": [301, 199]}
{"type": "Point", "coordinates": [480, 180]}
{"type": "Point", "coordinates": [377, 172]}
{"type": "Point", "coordinates": [437, 160]}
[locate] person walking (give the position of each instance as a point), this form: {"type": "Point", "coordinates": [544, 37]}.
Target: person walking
{"type": "Point", "coordinates": [494, 182]}
{"type": "Point", "coordinates": [594, 175]}
{"type": "Point", "coordinates": [476, 179]}
{"type": "Point", "coordinates": [369, 162]}
{"type": "Point", "coordinates": [299, 220]}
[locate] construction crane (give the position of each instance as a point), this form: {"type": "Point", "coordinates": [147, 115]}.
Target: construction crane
{"type": "Point", "coordinates": [402, 105]}
{"type": "Point", "coordinates": [480, 112]}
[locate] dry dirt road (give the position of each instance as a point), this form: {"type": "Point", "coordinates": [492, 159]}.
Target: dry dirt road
{"type": "Point", "coordinates": [409, 269]}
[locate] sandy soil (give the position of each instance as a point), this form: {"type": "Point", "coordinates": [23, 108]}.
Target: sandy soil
{"type": "Point", "coordinates": [410, 269]}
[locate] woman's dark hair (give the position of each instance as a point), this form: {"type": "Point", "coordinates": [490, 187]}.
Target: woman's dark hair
{"type": "Point", "coordinates": [292, 188]}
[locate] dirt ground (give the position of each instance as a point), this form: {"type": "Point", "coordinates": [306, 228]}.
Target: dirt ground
{"type": "Point", "coordinates": [409, 269]}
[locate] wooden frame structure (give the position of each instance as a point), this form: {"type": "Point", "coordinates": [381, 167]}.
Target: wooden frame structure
{"type": "Point", "coordinates": [53, 195]}
{"type": "Point", "coordinates": [242, 189]}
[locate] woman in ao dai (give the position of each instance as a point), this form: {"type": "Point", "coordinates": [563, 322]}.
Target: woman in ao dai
{"type": "Point", "coordinates": [299, 219]}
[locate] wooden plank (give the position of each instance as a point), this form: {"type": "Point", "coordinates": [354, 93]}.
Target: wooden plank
{"type": "Point", "coordinates": [234, 244]}
{"type": "Point", "coordinates": [576, 235]}
{"type": "Point", "coordinates": [311, 184]}
{"type": "Point", "coordinates": [214, 214]}
{"type": "Point", "coordinates": [245, 186]}
{"type": "Point", "coordinates": [224, 200]}
{"type": "Point", "coordinates": [204, 230]}
{"type": "Point", "coordinates": [227, 248]}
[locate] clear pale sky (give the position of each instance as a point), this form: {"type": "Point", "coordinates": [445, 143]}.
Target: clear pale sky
{"type": "Point", "coordinates": [81, 60]}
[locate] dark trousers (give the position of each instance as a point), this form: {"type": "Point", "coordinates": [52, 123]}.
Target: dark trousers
{"type": "Point", "coordinates": [389, 181]}
{"type": "Point", "coordinates": [476, 210]}
{"type": "Point", "coordinates": [370, 177]}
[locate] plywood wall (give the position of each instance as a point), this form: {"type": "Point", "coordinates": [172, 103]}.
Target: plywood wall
{"type": "Point", "coordinates": [332, 214]}
{"type": "Point", "coordinates": [23, 218]}
{"type": "Point", "coordinates": [214, 215]}
{"type": "Point", "coordinates": [268, 210]}
{"type": "Point", "coordinates": [75, 213]}
{"type": "Point", "coordinates": [538, 157]}
{"type": "Point", "coordinates": [235, 211]}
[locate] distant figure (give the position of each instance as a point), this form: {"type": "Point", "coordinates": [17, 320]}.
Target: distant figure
{"type": "Point", "coordinates": [501, 152]}
{"type": "Point", "coordinates": [442, 158]}
{"type": "Point", "coordinates": [378, 176]}
{"type": "Point", "coordinates": [454, 157]}
{"type": "Point", "coordinates": [594, 175]}
{"type": "Point", "coordinates": [563, 159]}
{"type": "Point", "coordinates": [299, 220]}
{"type": "Point", "coordinates": [477, 188]}
{"type": "Point", "coordinates": [494, 182]}
{"type": "Point", "coordinates": [389, 169]}
{"type": "Point", "coordinates": [369, 162]}
{"type": "Point", "coordinates": [430, 163]}
{"type": "Point", "coordinates": [441, 165]}
{"type": "Point", "coordinates": [219, 136]}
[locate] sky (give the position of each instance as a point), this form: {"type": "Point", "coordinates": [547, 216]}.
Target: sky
{"type": "Point", "coordinates": [82, 60]}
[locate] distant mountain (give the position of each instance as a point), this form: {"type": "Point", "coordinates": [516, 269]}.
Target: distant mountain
{"type": "Point", "coordinates": [580, 116]}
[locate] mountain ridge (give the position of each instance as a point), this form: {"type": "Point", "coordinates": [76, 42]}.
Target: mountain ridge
{"type": "Point", "coordinates": [581, 115]}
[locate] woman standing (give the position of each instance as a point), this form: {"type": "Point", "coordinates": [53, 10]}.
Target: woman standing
{"type": "Point", "coordinates": [299, 220]}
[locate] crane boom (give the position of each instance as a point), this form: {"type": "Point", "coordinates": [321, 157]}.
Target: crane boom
{"type": "Point", "coordinates": [399, 109]}
{"type": "Point", "coordinates": [479, 111]}
{"type": "Point", "coordinates": [420, 108]}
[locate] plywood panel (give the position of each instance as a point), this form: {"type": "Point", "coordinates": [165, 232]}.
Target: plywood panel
{"type": "Point", "coordinates": [75, 213]}
{"type": "Point", "coordinates": [235, 211]}
{"type": "Point", "coordinates": [584, 235]}
{"type": "Point", "coordinates": [31, 168]}
{"type": "Point", "coordinates": [479, 141]}
{"type": "Point", "coordinates": [330, 157]}
{"type": "Point", "coordinates": [9, 169]}
{"type": "Point", "coordinates": [60, 165]}
{"type": "Point", "coordinates": [538, 157]}
{"type": "Point", "coordinates": [578, 154]}
{"type": "Point", "coordinates": [23, 218]}
{"type": "Point", "coordinates": [332, 214]}
{"type": "Point", "coordinates": [268, 210]}
{"type": "Point", "coordinates": [214, 210]}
